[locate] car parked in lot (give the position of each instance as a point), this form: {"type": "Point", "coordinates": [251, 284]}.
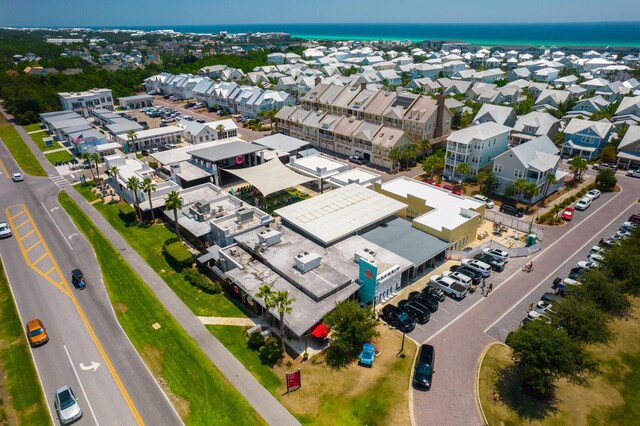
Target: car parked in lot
{"type": "Point", "coordinates": [634, 218]}
{"type": "Point", "coordinates": [533, 316]}
{"type": "Point", "coordinates": [583, 203]}
{"type": "Point", "coordinates": [356, 159]}
{"type": "Point", "coordinates": [634, 173]}
{"type": "Point", "coordinates": [452, 288]}
{"type": "Point", "coordinates": [36, 333]}
{"type": "Point", "coordinates": [478, 265]}
{"type": "Point", "coordinates": [436, 293]}
{"type": "Point", "coordinates": [485, 200]}
{"type": "Point", "coordinates": [551, 297]}
{"type": "Point", "coordinates": [5, 230]}
{"type": "Point", "coordinates": [67, 405]}
{"type": "Point", "coordinates": [424, 367]}
{"type": "Point", "coordinates": [575, 273]}
{"type": "Point", "coordinates": [543, 306]}
{"type": "Point", "coordinates": [398, 318]}
{"type": "Point", "coordinates": [624, 233]}
{"type": "Point", "coordinates": [603, 166]}
{"type": "Point", "coordinates": [419, 313]}
{"type": "Point", "coordinates": [629, 226]}
{"type": "Point", "coordinates": [593, 194]}
{"type": "Point", "coordinates": [587, 264]}
{"type": "Point", "coordinates": [425, 300]}
{"type": "Point", "coordinates": [595, 257]}
{"type": "Point", "coordinates": [500, 254]}
{"type": "Point", "coordinates": [459, 278]}
{"type": "Point", "coordinates": [512, 210]}
{"type": "Point", "coordinates": [567, 214]}
{"type": "Point", "coordinates": [495, 263]}
{"type": "Point", "coordinates": [476, 276]}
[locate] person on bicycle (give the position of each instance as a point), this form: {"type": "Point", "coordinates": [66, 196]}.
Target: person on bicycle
{"type": "Point", "coordinates": [530, 266]}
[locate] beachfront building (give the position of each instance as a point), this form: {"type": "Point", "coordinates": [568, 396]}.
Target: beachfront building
{"type": "Point", "coordinates": [585, 138]}
{"type": "Point", "coordinates": [475, 146]}
{"type": "Point", "coordinates": [84, 102]}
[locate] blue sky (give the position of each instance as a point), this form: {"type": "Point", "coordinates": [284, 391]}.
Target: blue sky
{"type": "Point", "coordinates": [219, 12]}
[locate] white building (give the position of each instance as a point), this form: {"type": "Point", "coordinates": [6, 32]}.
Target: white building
{"type": "Point", "coordinates": [84, 102]}
{"type": "Point", "coordinates": [152, 138]}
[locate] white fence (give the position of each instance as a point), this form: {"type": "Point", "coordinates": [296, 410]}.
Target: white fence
{"type": "Point", "coordinates": [515, 223]}
{"type": "Point", "coordinates": [513, 252]}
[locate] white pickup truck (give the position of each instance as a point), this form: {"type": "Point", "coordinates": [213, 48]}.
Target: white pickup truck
{"type": "Point", "coordinates": [449, 286]}
{"type": "Point", "coordinates": [459, 278]}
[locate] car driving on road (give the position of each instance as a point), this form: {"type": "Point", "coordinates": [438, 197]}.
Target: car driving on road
{"type": "Point", "coordinates": [17, 177]}
{"type": "Point", "coordinates": [36, 333]}
{"type": "Point", "coordinates": [67, 405]}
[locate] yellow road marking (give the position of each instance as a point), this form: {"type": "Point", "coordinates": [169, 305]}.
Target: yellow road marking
{"type": "Point", "coordinates": [14, 216]}
{"type": "Point", "coordinates": [27, 234]}
{"type": "Point", "coordinates": [40, 258]}
{"type": "Point", "coordinates": [4, 169]}
{"type": "Point", "coordinates": [50, 270]}
{"type": "Point", "coordinates": [35, 244]}
{"type": "Point", "coordinates": [21, 224]}
{"type": "Point", "coordinates": [64, 286]}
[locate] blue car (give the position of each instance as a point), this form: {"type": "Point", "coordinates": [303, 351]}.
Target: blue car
{"type": "Point", "coordinates": [367, 355]}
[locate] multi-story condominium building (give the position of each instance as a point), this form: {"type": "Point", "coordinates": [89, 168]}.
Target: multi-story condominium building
{"type": "Point", "coordinates": [84, 102]}
{"type": "Point", "coordinates": [475, 146]}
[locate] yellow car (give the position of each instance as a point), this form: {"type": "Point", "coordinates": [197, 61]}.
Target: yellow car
{"type": "Point", "coordinates": [37, 333]}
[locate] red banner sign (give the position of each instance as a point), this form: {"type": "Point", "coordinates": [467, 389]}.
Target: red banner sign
{"type": "Point", "coordinates": [294, 381]}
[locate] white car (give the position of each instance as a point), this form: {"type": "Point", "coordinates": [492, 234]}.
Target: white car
{"type": "Point", "coordinates": [587, 264]}
{"type": "Point", "coordinates": [485, 200]}
{"type": "Point", "coordinates": [5, 230]}
{"type": "Point", "coordinates": [542, 307]}
{"type": "Point", "coordinates": [479, 266]}
{"type": "Point", "coordinates": [500, 254]}
{"type": "Point", "coordinates": [533, 315]}
{"type": "Point", "coordinates": [17, 177]}
{"type": "Point", "coordinates": [593, 194]}
{"type": "Point", "coordinates": [624, 233]}
{"type": "Point", "coordinates": [597, 250]}
{"type": "Point", "coordinates": [634, 173]}
{"type": "Point", "coordinates": [459, 278]}
{"type": "Point", "coordinates": [67, 405]}
{"type": "Point", "coordinates": [596, 257]}
{"type": "Point", "coordinates": [449, 286]}
{"type": "Point", "coordinates": [583, 203]}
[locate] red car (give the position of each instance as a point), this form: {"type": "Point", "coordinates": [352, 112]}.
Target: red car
{"type": "Point", "coordinates": [567, 214]}
{"type": "Point", "coordinates": [448, 187]}
{"type": "Point", "coordinates": [429, 181]}
{"type": "Point", "coordinates": [634, 218]}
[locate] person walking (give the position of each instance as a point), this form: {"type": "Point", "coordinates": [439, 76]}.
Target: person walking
{"type": "Point", "coordinates": [531, 307]}
{"type": "Point", "coordinates": [490, 288]}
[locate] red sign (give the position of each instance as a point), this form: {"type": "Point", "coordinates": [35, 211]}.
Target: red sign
{"type": "Point", "coordinates": [293, 381]}
{"type": "Point", "coordinates": [368, 273]}
{"type": "Point", "coordinates": [239, 160]}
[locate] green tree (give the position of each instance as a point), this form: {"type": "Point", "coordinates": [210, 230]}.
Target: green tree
{"type": "Point", "coordinates": [486, 180]}
{"type": "Point", "coordinates": [582, 320]}
{"type": "Point", "coordinates": [432, 164]}
{"type": "Point", "coordinates": [549, 179]}
{"type": "Point", "coordinates": [134, 185]}
{"type": "Point", "coordinates": [148, 187]}
{"type": "Point", "coordinates": [409, 154]}
{"type": "Point", "coordinates": [562, 109]}
{"type": "Point", "coordinates": [609, 154]}
{"type": "Point", "coordinates": [351, 326]}
{"type": "Point", "coordinates": [605, 291]}
{"type": "Point", "coordinates": [112, 172]}
{"type": "Point", "coordinates": [266, 293]}
{"type": "Point", "coordinates": [621, 263]}
{"type": "Point", "coordinates": [531, 190]}
{"type": "Point", "coordinates": [425, 146]}
{"type": "Point", "coordinates": [132, 136]}
{"type": "Point", "coordinates": [394, 156]}
{"type": "Point", "coordinates": [577, 165]}
{"type": "Point", "coordinates": [519, 187]}
{"type": "Point", "coordinates": [173, 201]}
{"type": "Point", "coordinates": [220, 129]}
{"type": "Point", "coordinates": [282, 302]}
{"type": "Point", "coordinates": [87, 157]}
{"type": "Point", "coordinates": [558, 138]}
{"type": "Point", "coordinates": [606, 180]}
{"type": "Point", "coordinates": [545, 353]}
{"type": "Point", "coordinates": [463, 169]}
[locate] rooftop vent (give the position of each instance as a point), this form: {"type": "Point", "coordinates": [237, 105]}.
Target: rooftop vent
{"type": "Point", "coordinates": [244, 215]}
{"type": "Point", "coordinates": [306, 261]}
{"type": "Point", "coordinates": [269, 237]}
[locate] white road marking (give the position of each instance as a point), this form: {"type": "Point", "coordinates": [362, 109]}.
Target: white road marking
{"type": "Point", "coordinates": [80, 382]}
{"type": "Point", "coordinates": [93, 366]}
{"type": "Point", "coordinates": [56, 225]}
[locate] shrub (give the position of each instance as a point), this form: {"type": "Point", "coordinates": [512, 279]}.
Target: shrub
{"type": "Point", "coordinates": [153, 164]}
{"type": "Point", "coordinates": [271, 352]}
{"type": "Point", "coordinates": [177, 256]}
{"type": "Point", "coordinates": [198, 280]}
{"type": "Point", "coordinates": [255, 341]}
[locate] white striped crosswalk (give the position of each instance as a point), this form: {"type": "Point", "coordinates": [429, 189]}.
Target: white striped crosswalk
{"type": "Point", "coordinates": [60, 181]}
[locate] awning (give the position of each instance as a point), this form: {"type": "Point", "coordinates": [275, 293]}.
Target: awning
{"type": "Point", "coordinates": [573, 145]}
{"type": "Point", "coordinates": [320, 331]}
{"type": "Point", "coordinates": [270, 177]}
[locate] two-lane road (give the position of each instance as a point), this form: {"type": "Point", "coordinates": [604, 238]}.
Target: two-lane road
{"type": "Point", "coordinates": [87, 349]}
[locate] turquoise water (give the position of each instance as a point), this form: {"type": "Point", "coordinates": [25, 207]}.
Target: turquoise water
{"type": "Point", "coordinates": [546, 34]}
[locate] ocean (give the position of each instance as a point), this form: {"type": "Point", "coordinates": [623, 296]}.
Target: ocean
{"type": "Point", "coordinates": [540, 34]}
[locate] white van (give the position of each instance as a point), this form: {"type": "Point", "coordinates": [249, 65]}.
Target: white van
{"type": "Point", "coordinates": [479, 266]}
{"type": "Point", "coordinates": [459, 277]}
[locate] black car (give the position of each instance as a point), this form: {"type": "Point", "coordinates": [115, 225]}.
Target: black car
{"type": "Point", "coordinates": [575, 273]}
{"type": "Point", "coordinates": [512, 210]}
{"type": "Point", "coordinates": [475, 276]}
{"type": "Point", "coordinates": [495, 263]}
{"type": "Point", "coordinates": [425, 367]}
{"type": "Point", "coordinates": [398, 318]}
{"type": "Point", "coordinates": [416, 311]}
{"type": "Point", "coordinates": [425, 300]}
{"type": "Point", "coordinates": [435, 293]}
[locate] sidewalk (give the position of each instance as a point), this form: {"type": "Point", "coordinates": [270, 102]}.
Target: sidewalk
{"type": "Point", "coordinates": [262, 401]}
{"type": "Point", "coordinates": [588, 180]}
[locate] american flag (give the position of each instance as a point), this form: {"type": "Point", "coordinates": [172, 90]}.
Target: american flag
{"type": "Point", "coordinates": [78, 140]}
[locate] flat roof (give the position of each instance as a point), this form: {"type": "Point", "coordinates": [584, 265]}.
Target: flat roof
{"type": "Point", "coordinates": [318, 165]}
{"type": "Point", "coordinates": [160, 131]}
{"type": "Point", "coordinates": [359, 176]}
{"type": "Point", "coordinates": [339, 213]}
{"type": "Point", "coordinates": [282, 142]}
{"type": "Point", "coordinates": [399, 236]}
{"type": "Point", "coordinates": [107, 146]}
{"type": "Point", "coordinates": [135, 98]}
{"type": "Point", "coordinates": [190, 172]}
{"type": "Point", "coordinates": [178, 155]}
{"type": "Point", "coordinates": [226, 150]}
{"type": "Point", "coordinates": [449, 210]}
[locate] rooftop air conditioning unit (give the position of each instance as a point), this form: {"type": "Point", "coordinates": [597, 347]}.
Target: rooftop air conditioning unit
{"type": "Point", "coordinates": [307, 261]}
{"type": "Point", "coordinates": [270, 237]}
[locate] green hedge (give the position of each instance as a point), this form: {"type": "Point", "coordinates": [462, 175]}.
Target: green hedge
{"type": "Point", "coordinates": [198, 280]}
{"type": "Point", "coordinates": [178, 256]}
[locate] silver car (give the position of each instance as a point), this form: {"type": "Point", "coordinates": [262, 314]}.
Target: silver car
{"type": "Point", "coordinates": [67, 405]}
{"type": "Point", "coordinates": [5, 230]}
{"type": "Point", "coordinates": [17, 177]}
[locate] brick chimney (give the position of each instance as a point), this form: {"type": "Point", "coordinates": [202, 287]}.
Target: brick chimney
{"type": "Point", "coordinates": [318, 80]}
{"type": "Point", "coordinates": [363, 85]}
{"type": "Point", "coordinates": [439, 116]}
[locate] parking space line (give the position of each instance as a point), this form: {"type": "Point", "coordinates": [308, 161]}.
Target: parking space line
{"type": "Point", "coordinates": [50, 270]}
{"type": "Point", "coordinates": [16, 215]}
{"type": "Point", "coordinates": [81, 386]}
{"type": "Point", "coordinates": [27, 234]}
{"type": "Point", "coordinates": [33, 246]}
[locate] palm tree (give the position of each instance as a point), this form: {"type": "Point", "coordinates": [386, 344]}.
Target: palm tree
{"type": "Point", "coordinates": [131, 137]}
{"type": "Point", "coordinates": [432, 164]}
{"type": "Point", "coordinates": [282, 302]}
{"type": "Point", "coordinates": [394, 156]}
{"type": "Point", "coordinates": [174, 201]}
{"type": "Point", "coordinates": [87, 157]}
{"type": "Point", "coordinates": [425, 145]}
{"type": "Point", "coordinates": [148, 187]}
{"type": "Point", "coordinates": [133, 185]}
{"type": "Point", "coordinates": [519, 186]}
{"type": "Point", "coordinates": [577, 165]}
{"type": "Point", "coordinates": [265, 292]}
{"type": "Point", "coordinates": [409, 153]}
{"type": "Point", "coordinates": [220, 129]}
{"type": "Point", "coordinates": [549, 179]}
{"type": "Point", "coordinates": [463, 169]}
{"type": "Point", "coordinates": [531, 189]}
{"type": "Point", "coordinates": [95, 158]}
{"type": "Point", "coordinates": [112, 172]}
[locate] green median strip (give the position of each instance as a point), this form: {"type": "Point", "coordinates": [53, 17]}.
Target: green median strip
{"type": "Point", "coordinates": [19, 380]}
{"type": "Point", "coordinates": [19, 150]}
{"type": "Point", "coordinates": [199, 392]}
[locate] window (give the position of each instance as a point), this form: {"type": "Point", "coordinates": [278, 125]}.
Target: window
{"type": "Point", "coordinates": [497, 168]}
{"type": "Point", "coordinates": [518, 173]}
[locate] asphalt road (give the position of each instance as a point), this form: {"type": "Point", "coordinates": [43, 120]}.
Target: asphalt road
{"type": "Point", "coordinates": [87, 349]}
{"type": "Point", "coordinates": [460, 342]}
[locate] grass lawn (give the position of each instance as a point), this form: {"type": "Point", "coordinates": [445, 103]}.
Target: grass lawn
{"type": "Point", "coordinates": [610, 396]}
{"type": "Point", "coordinates": [351, 396]}
{"type": "Point", "coordinates": [32, 127]}
{"type": "Point", "coordinates": [19, 149]}
{"type": "Point", "coordinates": [19, 380]}
{"type": "Point", "coordinates": [38, 139]}
{"type": "Point", "coordinates": [195, 386]}
{"type": "Point", "coordinates": [148, 242]}
{"type": "Point", "coordinates": [59, 157]}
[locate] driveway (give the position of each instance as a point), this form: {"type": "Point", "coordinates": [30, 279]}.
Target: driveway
{"type": "Point", "coordinates": [459, 343]}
